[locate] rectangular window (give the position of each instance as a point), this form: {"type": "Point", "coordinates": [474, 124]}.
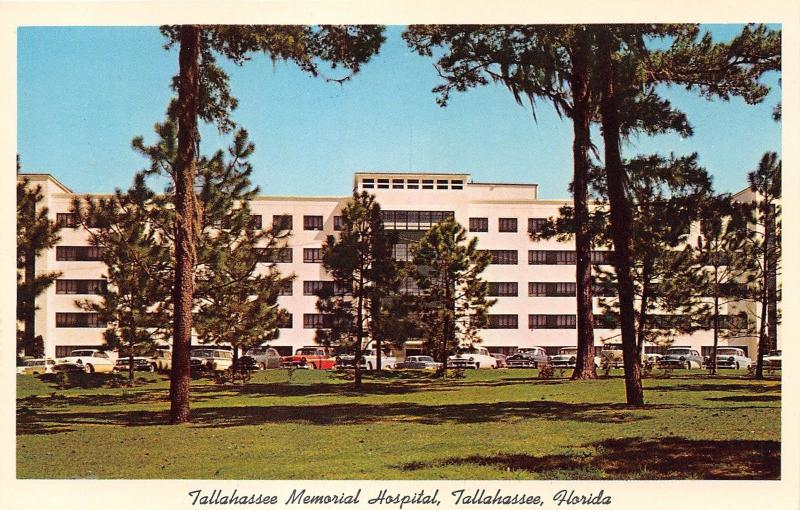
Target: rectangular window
{"type": "Point", "coordinates": [312, 255]}
{"type": "Point", "coordinates": [479, 224]}
{"type": "Point", "coordinates": [316, 320]}
{"type": "Point", "coordinates": [275, 255]}
{"type": "Point", "coordinates": [383, 183]}
{"type": "Point", "coordinates": [312, 222]}
{"type": "Point", "coordinates": [79, 253]}
{"type": "Point", "coordinates": [457, 184]}
{"type": "Point", "coordinates": [503, 257]}
{"type": "Point", "coordinates": [604, 289]}
{"type": "Point", "coordinates": [402, 252]}
{"type": "Point", "coordinates": [551, 257]}
{"type": "Point", "coordinates": [503, 289]}
{"type": "Point", "coordinates": [551, 289]}
{"type": "Point", "coordinates": [409, 287]}
{"type": "Point", "coordinates": [313, 287]}
{"type": "Point", "coordinates": [507, 225]}
{"type": "Point", "coordinates": [397, 183]}
{"type": "Point", "coordinates": [551, 321]}
{"type": "Point", "coordinates": [286, 288]}
{"type": "Point", "coordinates": [412, 184]}
{"type": "Point", "coordinates": [337, 223]}
{"type": "Point", "coordinates": [282, 221]}
{"type": "Point", "coordinates": [427, 183]}
{"type": "Point", "coordinates": [64, 286]}
{"type": "Point", "coordinates": [79, 320]}
{"type": "Point", "coordinates": [601, 257]}
{"type": "Point", "coordinates": [285, 321]}
{"type": "Point", "coordinates": [535, 225]}
{"type": "Point", "coordinates": [66, 220]}
{"type": "Point", "coordinates": [503, 321]}
{"type": "Point", "coordinates": [606, 321]}
{"type": "Point", "coordinates": [442, 184]}
{"type": "Point", "coordinates": [413, 220]}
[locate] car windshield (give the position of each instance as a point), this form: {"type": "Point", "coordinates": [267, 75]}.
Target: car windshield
{"type": "Point", "coordinates": [34, 362]}
{"type": "Point", "coordinates": [202, 352]}
{"type": "Point", "coordinates": [424, 358]}
{"type": "Point", "coordinates": [679, 352]}
{"type": "Point", "coordinates": [774, 353]}
{"type": "Point", "coordinates": [81, 353]}
{"type": "Point", "coordinates": [568, 350]}
{"type": "Point", "coordinates": [728, 352]}
{"type": "Point", "coordinates": [307, 350]}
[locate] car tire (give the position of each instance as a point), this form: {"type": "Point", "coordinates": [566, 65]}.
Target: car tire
{"type": "Point", "coordinates": [311, 366]}
{"type": "Point", "coordinates": [688, 365]}
{"type": "Point", "coordinates": [152, 367]}
{"type": "Point", "coordinates": [737, 365]}
{"type": "Point", "coordinates": [369, 366]}
{"type": "Point", "coordinates": [89, 369]}
{"type": "Point", "coordinates": [263, 366]}
{"type": "Point", "coordinates": [477, 366]}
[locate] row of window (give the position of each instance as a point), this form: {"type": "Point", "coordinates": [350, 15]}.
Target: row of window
{"type": "Point", "coordinates": [495, 321]}
{"type": "Point", "coordinates": [535, 225]}
{"type": "Point", "coordinates": [400, 183]}
{"type": "Point", "coordinates": [546, 257]}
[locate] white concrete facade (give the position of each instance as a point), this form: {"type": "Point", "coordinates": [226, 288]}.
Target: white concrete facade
{"type": "Point", "coordinates": [451, 193]}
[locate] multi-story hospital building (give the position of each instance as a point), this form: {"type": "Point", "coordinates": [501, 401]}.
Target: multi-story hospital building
{"type": "Point", "coordinates": [533, 281]}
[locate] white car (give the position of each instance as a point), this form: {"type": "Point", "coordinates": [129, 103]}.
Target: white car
{"type": "Point", "coordinates": [211, 359]}
{"type": "Point", "coordinates": [478, 357]}
{"type": "Point", "coordinates": [567, 358]}
{"type": "Point", "coordinates": [36, 366]}
{"type": "Point", "coordinates": [90, 360]}
{"type": "Point", "coordinates": [773, 360]}
{"type": "Point", "coordinates": [369, 360]}
{"type": "Point", "coordinates": [732, 357]}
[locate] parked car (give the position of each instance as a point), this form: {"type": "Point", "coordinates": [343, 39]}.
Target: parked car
{"type": "Point", "coordinates": [265, 357]}
{"type": "Point", "coordinates": [310, 357]}
{"type": "Point", "coordinates": [611, 356]}
{"type": "Point", "coordinates": [477, 357]}
{"type": "Point", "coordinates": [731, 357]}
{"type": "Point", "coordinates": [419, 363]}
{"type": "Point", "coordinates": [652, 358]}
{"type": "Point", "coordinates": [248, 363]}
{"type": "Point", "coordinates": [501, 359]}
{"type": "Point", "coordinates": [527, 357]}
{"type": "Point", "coordinates": [140, 363]}
{"type": "Point", "coordinates": [36, 366]}
{"type": "Point", "coordinates": [567, 357]}
{"type": "Point", "coordinates": [682, 357]}
{"type": "Point", "coordinates": [161, 360]}
{"type": "Point", "coordinates": [203, 359]}
{"type": "Point", "coordinates": [369, 360]}
{"type": "Point", "coordinates": [88, 360]}
{"type": "Point", "coordinates": [773, 360]}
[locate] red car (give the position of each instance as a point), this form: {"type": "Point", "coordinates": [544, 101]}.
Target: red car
{"type": "Point", "coordinates": [313, 358]}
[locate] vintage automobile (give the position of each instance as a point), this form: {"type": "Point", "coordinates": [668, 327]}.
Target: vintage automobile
{"type": "Point", "coordinates": [369, 360]}
{"type": "Point", "coordinates": [140, 363]}
{"type": "Point", "coordinates": [681, 357]}
{"type": "Point", "coordinates": [265, 357]}
{"type": "Point", "coordinates": [419, 363]}
{"type": "Point", "coordinates": [207, 359]}
{"type": "Point", "coordinates": [248, 363]}
{"type": "Point", "coordinates": [477, 357]}
{"type": "Point", "coordinates": [37, 366]}
{"type": "Point", "coordinates": [161, 360]}
{"type": "Point", "coordinates": [310, 357]}
{"type": "Point", "coordinates": [731, 357]}
{"type": "Point", "coordinates": [501, 359]}
{"type": "Point", "coordinates": [567, 357]}
{"type": "Point", "coordinates": [773, 360]}
{"type": "Point", "coordinates": [87, 360]}
{"type": "Point", "coordinates": [527, 357]}
{"type": "Point", "coordinates": [611, 356]}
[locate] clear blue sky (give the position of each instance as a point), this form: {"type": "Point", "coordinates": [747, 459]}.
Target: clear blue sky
{"type": "Point", "coordinates": [85, 92]}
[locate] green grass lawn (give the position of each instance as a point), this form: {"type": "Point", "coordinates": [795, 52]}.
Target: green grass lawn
{"type": "Point", "coordinates": [492, 424]}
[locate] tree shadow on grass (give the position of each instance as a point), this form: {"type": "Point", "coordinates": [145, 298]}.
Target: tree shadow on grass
{"type": "Point", "coordinates": [710, 387]}
{"type": "Point", "coordinates": [646, 459]}
{"type": "Point", "coordinates": [746, 398]}
{"type": "Point", "coordinates": [41, 421]}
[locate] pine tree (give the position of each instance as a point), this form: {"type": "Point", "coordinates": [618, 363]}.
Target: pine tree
{"type": "Point", "coordinates": [763, 247]}
{"type": "Point", "coordinates": [364, 274]}
{"type": "Point", "coordinates": [726, 272]}
{"type": "Point", "coordinates": [35, 234]}
{"type": "Point", "coordinates": [135, 299]}
{"type": "Point", "coordinates": [203, 91]}
{"type": "Point", "coordinates": [237, 301]}
{"type": "Point", "coordinates": [453, 307]}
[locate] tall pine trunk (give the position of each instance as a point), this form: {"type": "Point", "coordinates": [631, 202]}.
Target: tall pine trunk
{"type": "Point", "coordinates": [581, 115]}
{"type": "Point", "coordinates": [716, 322]}
{"type": "Point", "coordinates": [359, 327]}
{"type": "Point", "coordinates": [763, 337]}
{"type": "Point", "coordinates": [185, 254]}
{"type": "Point", "coordinates": [621, 220]}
